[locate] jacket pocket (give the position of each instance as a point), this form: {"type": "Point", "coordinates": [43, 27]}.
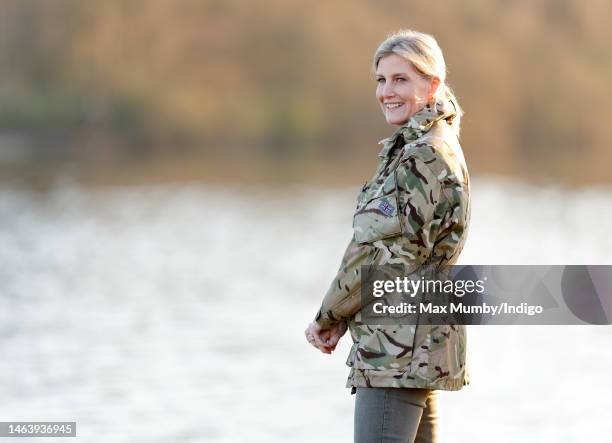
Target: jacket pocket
{"type": "Point", "coordinates": [378, 219]}
{"type": "Point", "coordinates": [384, 348]}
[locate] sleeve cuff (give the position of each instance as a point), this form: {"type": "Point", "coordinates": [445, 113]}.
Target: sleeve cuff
{"type": "Point", "coordinates": [325, 320]}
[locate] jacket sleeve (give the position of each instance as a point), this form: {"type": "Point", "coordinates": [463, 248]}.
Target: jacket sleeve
{"type": "Point", "coordinates": [398, 228]}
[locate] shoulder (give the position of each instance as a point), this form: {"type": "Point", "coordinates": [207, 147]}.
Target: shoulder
{"type": "Point", "coordinates": [439, 151]}
{"type": "Point", "coordinates": [422, 161]}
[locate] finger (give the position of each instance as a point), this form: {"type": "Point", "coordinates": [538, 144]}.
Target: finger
{"type": "Point", "coordinates": [320, 344]}
{"type": "Point", "coordinates": [311, 339]}
{"type": "Point", "coordinates": [325, 335]}
{"type": "Point", "coordinates": [333, 340]}
{"type": "Point", "coordinates": [337, 334]}
{"type": "Point", "coordinates": [322, 347]}
{"type": "Point", "coordinates": [312, 343]}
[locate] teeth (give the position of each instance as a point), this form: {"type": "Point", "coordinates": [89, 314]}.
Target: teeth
{"type": "Point", "coordinates": [393, 105]}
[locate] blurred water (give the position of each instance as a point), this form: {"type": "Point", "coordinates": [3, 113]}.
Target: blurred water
{"type": "Point", "coordinates": [175, 314]}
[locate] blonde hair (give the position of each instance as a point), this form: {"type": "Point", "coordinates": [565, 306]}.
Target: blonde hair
{"type": "Point", "coordinates": [423, 52]}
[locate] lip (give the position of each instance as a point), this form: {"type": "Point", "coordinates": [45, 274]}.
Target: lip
{"type": "Point", "coordinates": [385, 105]}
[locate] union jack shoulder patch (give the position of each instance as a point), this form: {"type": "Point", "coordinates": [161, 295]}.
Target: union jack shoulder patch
{"type": "Point", "coordinates": [386, 208]}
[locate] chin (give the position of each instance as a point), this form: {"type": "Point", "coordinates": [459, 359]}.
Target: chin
{"type": "Point", "coordinates": [397, 121]}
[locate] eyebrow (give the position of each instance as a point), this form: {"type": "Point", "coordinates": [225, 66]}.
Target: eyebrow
{"type": "Point", "coordinates": [404, 74]}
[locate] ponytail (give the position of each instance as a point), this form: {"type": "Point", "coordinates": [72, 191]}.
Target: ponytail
{"type": "Point", "coordinates": [447, 94]}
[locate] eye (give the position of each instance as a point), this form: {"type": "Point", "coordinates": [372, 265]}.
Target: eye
{"type": "Point", "coordinates": [380, 80]}
{"type": "Point", "coordinates": [400, 79]}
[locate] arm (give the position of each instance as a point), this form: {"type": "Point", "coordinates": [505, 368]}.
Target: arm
{"type": "Point", "coordinates": [343, 298]}
{"type": "Point", "coordinates": [403, 235]}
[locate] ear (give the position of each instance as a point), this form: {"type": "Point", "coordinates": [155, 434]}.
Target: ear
{"type": "Point", "coordinates": [433, 87]}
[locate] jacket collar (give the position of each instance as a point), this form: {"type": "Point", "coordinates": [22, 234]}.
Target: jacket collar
{"type": "Point", "coordinates": [420, 123]}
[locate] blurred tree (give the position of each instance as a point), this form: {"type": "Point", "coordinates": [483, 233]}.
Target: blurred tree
{"type": "Point", "coordinates": [86, 80]}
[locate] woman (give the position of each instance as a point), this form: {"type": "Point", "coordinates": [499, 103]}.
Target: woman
{"type": "Point", "coordinates": [415, 211]}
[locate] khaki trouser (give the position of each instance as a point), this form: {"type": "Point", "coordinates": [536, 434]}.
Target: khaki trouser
{"type": "Point", "coordinates": [385, 415]}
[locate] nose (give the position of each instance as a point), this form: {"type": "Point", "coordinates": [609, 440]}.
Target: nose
{"type": "Point", "coordinates": [387, 89]}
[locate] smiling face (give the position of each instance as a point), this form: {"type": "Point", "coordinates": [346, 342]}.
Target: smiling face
{"type": "Point", "coordinates": [401, 90]}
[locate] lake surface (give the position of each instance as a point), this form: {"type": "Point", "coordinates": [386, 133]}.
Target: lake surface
{"type": "Point", "coordinates": [176, 313]}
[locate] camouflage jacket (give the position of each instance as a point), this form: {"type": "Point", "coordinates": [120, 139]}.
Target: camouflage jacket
{"type": "Point", "coordinates": [414, 211]}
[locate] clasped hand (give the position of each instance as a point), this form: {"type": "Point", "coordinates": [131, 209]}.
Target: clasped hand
{"type": "Point", "coordinates": [325, 339]}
